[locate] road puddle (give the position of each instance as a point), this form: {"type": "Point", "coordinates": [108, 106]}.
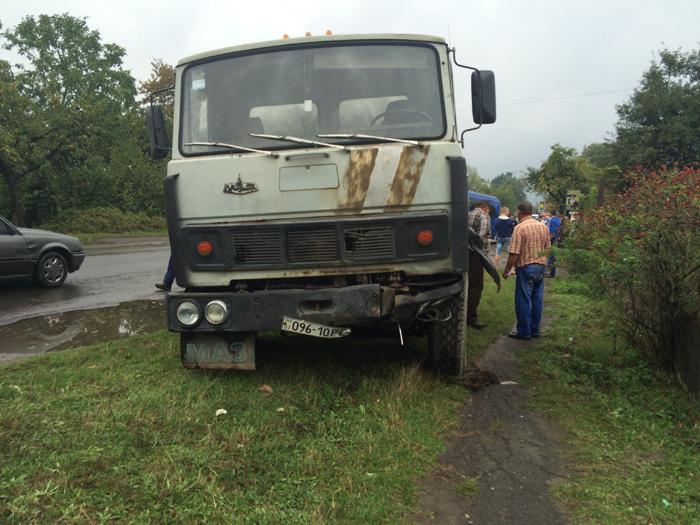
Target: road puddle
{"type": "Point", "coordinates": [67, 330]}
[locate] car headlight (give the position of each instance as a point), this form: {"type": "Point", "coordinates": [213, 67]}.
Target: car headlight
{"type": "Point", "coordinates": [188, 313]}
{"type": "Point", "coordinates": [216, 312]}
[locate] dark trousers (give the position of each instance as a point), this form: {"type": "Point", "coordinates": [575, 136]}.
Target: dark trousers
{"type": "Point", "coordinates": [551, 261]}
{"type": "Point", "coordinates": [529, 291]}
{"type": "Point", "coordinates": [476, 286]}
{"type": "Point", "coordinates": [169, 276]}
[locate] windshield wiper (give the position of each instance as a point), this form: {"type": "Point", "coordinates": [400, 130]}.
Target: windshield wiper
{"type": "Point", "coordinates": [232, 146]}
{"type": "Point", "coordinates": [298, 140]}
{"type": "Point", "coordinates": [364, 136]}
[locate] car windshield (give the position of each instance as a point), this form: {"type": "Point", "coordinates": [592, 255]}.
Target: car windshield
{"type": "Point", "coordinates": [382, 90]}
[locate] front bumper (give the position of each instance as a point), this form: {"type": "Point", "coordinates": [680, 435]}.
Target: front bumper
{"type": "Point", "coordinates": [359, 305]}
{"type": "Point", "coordinates": [76, 260]}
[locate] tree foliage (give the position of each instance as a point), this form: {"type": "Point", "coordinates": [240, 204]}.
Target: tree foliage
{"type": "Point", "coordinates": [476, 182]}
{"type": "Point", "coordinates": [562, 171]}
{"type": "Point", "coordinates": [659, 124]}
{"type": "Point", "coordinates": [162, 77]}
{"type": "Point", "coordinates": [509, 189]}
{"type": "Point", "coordinates": [643, 248]}
{"type": "Point", "coordinates": [600, 154]}
{"type": "Point", "coordinates": [72, 133]}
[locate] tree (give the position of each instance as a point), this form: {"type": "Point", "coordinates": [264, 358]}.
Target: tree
{"type": "Point", "coordinates": [600, 154]}
{"type": "Point", "coordinates": [62, 104]}
{"type": "Point", "coordinates": [509, 189]}
{"type": "Point", "coordinates": [162, 77]}
{"type": "Point", "coordinates": [658, 125]}
{"type": "Point", "coordinates": [563, 170]}
{"type": "Point", "coordinates": [476, 182]}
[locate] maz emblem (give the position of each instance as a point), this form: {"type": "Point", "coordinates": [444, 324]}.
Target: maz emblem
{"type": "Point", "coordinates": [240, 187]}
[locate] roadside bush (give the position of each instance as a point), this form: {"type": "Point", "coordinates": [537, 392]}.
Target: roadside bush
{"type": "Point", "coordinates": [104, 220]}
{"type": "Point", "coordinates": [643, 249]}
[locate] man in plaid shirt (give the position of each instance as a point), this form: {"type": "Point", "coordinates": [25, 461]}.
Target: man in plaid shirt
{"type": "Point", "coordinates": [528, 250]}
{"type": "Point", "coordinates": [480, 222]}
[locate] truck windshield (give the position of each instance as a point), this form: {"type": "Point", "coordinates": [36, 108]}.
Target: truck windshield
{"type": "Point", "coordinates": [384, 90]}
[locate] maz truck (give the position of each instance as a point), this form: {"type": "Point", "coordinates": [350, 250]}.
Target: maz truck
{"type": "Point", "coordinates": [317, 186]}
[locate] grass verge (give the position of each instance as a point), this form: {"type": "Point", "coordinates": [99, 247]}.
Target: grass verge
{"type": "Point", "coordinates": [322, 432]}
{"type": "Point", "coordinates": [634, 451]}
{"type": "Point", "coordinates": [94, 238]}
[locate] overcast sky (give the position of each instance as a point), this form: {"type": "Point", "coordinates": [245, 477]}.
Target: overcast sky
{"type": "Point", "coordinates": [561, 65]}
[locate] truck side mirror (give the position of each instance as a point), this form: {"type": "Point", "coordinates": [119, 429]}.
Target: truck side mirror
{"type": "Point", "coordinates": [157, 138]}
{"type": "Point", "coordinates": [483, 97]}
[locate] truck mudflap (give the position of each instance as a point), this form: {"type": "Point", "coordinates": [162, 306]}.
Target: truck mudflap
{"type": "Point", "coordinates": [218, 350]}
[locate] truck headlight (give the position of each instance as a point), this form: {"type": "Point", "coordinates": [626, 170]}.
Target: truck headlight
{"type": "Point", "coordinates": [188, 313]}
{"type": "Point", "coordinates": [216, 312]}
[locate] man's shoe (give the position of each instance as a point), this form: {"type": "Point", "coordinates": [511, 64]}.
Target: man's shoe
{"type": "Point", "coordinates": [477, 325]}
{"type": "Point", "coordinates": [535, 334]}
{"type": "Point", "coordinates": [163, 286]}
{"type": "Point", "coordinates": [516, 335]}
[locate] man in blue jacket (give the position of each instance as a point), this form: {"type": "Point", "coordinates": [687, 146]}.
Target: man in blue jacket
{"type": "Point", "coordinates": [504, 230]}
{"type": "Point", "coordinates": [555, 235]}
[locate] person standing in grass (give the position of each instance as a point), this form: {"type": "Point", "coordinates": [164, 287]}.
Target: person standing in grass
{"type": "Point", "coordinates": [168, 278]}
{"type": "Point", "coordinates": [528, 254]}
{"type": "Point", "coordinates": [504, 230]}
{"type": "Point", "coordinates": [480, 222]}
{"type": "Point", "coordinates": [554, 234]}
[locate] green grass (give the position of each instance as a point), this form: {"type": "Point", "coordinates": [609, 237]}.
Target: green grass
{"type": "Point", "coordinates": [94, 238]}
{"type": "Point", "coordinates": [497, 310]}
{"type": "Point", "coordinates": [635, 436]}
{"type": "Point", "coordinates": [468, 487]}
{"type": "Point", "coordinates": [121, 432]}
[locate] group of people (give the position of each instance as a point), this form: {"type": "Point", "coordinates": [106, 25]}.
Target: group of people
{"type": "Point", "coordinates": [527, 243]}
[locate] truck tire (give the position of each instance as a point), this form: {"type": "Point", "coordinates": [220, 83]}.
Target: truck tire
{"type": "Point", "coordinates": [447, 340]}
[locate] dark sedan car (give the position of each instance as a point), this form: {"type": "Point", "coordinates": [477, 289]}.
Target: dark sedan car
{"type": "Point", "coordinates": [44, 256]}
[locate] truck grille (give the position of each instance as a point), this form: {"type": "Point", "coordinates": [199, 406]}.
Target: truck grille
{"type": "Point", "coordinates": [370, 243]}
{"type": "Point", "coordinates": [312, 245]}
{"type": "Point", "coordinates": [318, 244]}
{"type": "Point", "coordinates": [257, 247]}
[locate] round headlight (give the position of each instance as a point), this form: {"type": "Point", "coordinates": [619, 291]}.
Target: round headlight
{"type": "Point", "coordinates": [216, 312]}
{"type": "Point", "coordinates": [188, 313]}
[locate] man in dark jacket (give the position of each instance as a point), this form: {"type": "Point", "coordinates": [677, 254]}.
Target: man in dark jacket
{"type": "Point", "coordinates": [504, 229]}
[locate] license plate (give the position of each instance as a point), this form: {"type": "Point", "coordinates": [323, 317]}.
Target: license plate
{"type": "Point", "coordinates": [299, 326]}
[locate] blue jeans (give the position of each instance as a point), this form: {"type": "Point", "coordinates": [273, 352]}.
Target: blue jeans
{"type": "Point", "coordinates": [502, 242]}
{"type": "Point", "coordinates": [169, 276]}
{"type": "Point", "coordinates": [529, 290]}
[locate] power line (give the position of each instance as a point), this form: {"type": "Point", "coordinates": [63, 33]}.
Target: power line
{"type": "Point", "coordinates": [562, 98]}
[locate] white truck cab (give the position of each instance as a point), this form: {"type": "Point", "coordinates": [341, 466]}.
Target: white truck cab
{"type": "Point", "coordinates": [317, 186]}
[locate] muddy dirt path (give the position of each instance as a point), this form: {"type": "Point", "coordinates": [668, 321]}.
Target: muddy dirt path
{"type": "Point", "coordinates": [514, 454]}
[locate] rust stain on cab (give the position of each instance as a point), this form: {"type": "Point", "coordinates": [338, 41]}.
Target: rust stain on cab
{"type": "Point", "coordinates": [407, 177]}
{"type": "Point", "coordinates": [357, 177]}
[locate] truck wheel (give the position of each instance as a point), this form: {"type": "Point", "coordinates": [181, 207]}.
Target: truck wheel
{"type": "Point", "coordinates": [51, 270]}
{"type": "Point", "coordinates": [447, 340]}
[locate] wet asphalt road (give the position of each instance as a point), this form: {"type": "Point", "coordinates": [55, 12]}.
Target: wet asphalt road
{"type": "Point", "coordinates": [111, 296]}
